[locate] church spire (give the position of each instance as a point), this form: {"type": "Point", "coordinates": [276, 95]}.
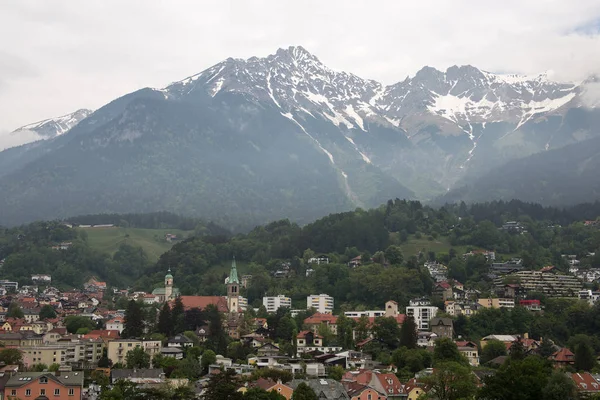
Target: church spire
{"type": "Point", "coordinates": [233, 276]}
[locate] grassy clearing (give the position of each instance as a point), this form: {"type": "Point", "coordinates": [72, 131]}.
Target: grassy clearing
{"type": "Point", "coordinates": [440, 245]}
{"type": "Point", "coordinates": [152, 241]}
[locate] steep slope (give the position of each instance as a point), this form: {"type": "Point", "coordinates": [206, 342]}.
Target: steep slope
{"type": "Point", "coordinates": [53, 127]}
{"type": "Point", "coordinates": [564, 176]}
{"type": "Point", "coordinates": [230, 155]}
{"type": "Point", "coordinates": [286, 136]}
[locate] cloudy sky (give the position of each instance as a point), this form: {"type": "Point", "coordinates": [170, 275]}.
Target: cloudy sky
{"type": "Point", "coordinates": [58, 56]}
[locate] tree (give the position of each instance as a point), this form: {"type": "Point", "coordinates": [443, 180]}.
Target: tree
{"type": "Point", "coordinates": [304, 392]}
{"type": "Point", "coordinates": [387, 331]}
{"type": "Point", "coordinates": [134, 321]}
{"type": "Point", "coordinates": [137, 358]}
{"type": "Point", "coordinates": [222, 387]}
{"type": "Point", "coordinates": [193, 318]}
{"type": "Point", "coordinates": [584, 357]}
{"type": "Point", "coordinates": [518, 379]}
{"type": "Point", "coordinates": [559, 387]}
{"type": "Point", "coordinates": [73, 323]}
{"type": "Point", "coordinates": [47, 312]}
{"type": "Point", "coordinates": [121, 390]}
{"type": "Point", "coordinates": [517, 350]}
{"type": "Point", "coordinates": [208, 357]}
{"type": "Point", "coordinates": [546, 348]}
{"type": "Point", "coordinates": [104, 361]}
{"type": "Point", "coordinates": [54, 367]}
{"type": "Point", "coordinates": [344, 332]}
{"type": "Point", "coordinates": [446, 351]}
{"type": "Point", "coordinates": [452, 381]}
{"type": "Point", "coordinates": [256, 393]}
{"type": "Point", "coordinates": [165, 322]}
{"type": "Point", "coordinates": [178, 316]}
{"type": "Point", "coordinates": [393, 255]}
{"type": "Point", "coordinates": [14, 311]}
{"type": "Point", "coordinates": [336, 372]}
{"type": "Point", "coordinates": [216, 338]}
{"type": "Point", "coordinates": [492, 349]}
{"type": "Point", "coordinates": [11, 356]}
{"type": "Point", "coordinates": [38, 367]}
{"type": "Point", "coordinates": [408, 333]}
{"type": "Point", "coordinates": [362, 328]}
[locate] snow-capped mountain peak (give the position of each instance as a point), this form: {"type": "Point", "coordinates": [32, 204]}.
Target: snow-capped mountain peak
{"type": "Point", "coordinates": [51, 127]}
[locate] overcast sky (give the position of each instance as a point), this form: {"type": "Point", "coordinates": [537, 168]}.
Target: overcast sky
{"type": "Point", "coordinates": [58, 56]}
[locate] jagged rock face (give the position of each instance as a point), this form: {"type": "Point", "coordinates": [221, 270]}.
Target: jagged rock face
{"type": "Point", "coordinates": [286, 136]}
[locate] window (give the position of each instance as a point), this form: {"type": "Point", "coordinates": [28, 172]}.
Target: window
{"type": "Point", "coordinates": [43, 379]}
{"type": "Point", "coordinates": [71, 392]}
{"type": "Point", "coordinates": [13, 392]}
{"type": "Point", "coordinates": [28, 392]}
{"type": "Point", "coordinates": [57, 392]}
{"type": "Point", "coordinates": [42, 392]}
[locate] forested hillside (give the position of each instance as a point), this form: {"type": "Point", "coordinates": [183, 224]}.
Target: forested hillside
{"type": "Point", "coordinates": [200, 263]}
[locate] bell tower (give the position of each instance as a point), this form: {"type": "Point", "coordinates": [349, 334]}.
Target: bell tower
{"type": "Point", "coordinates": [233, 289]}
{"type": "Point", "coordinates": [168, 285]}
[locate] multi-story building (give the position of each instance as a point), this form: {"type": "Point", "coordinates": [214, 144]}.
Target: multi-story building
{"type": "Point", "coordinates": [118, 349]}
{"type": "Point", "coordinates": [589, 296]}
{"type": "Point", "coordinates": [44, 385]}
{"type": "Point", "coordinates": [497, 303]}
{"type": "Point", "coordinates": [422, 312]}
{"type": "Point", "coordinates": [368, 313]}
{"type": "Point", "coordinates": [273, 303]}
{"type": "Point", "coordinates": [551, 284]}
{"type": "Point", "coordinates": [79, 353]}
{"type": "Point", "coordinates": [322, 303]}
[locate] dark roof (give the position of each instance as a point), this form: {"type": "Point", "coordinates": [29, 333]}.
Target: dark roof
{"type": "Point", "coordinates": [324, 388]}
{"type": "Point", "coordinates": [136, 373]}
{"type": "Point", "coordinates": [436, 321]}
{"type": "Point", "coordinates": [179, 339]}
{"type": "Point", "coordinates": [74, 378]}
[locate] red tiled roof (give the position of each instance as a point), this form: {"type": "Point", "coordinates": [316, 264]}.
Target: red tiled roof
{"type": "Point", "coordinates": [444, 285]}
{"type": "Point", "coordinates": [362, 377]}
{"type": "Point", "coordinates": [390, 383]}
{"type": "Point", "coordinates": [263, 383]}
{"type": "Point", "coordinates": [399, 318]}
{"type": "Point", "coordinates": [564, 355]}
{"type": "Point", "coordinates": [318, 318]}
{"type": "Point", "coordinates": [465, 343]}
{"type": "Point", "coordinates": [586, 382]}
{"type": "Point", "coordinates": [203, 301]}
{"type": "Point", "coordinates": [102, 334]}
{"type": "Point", "coordinates": [303, 334]}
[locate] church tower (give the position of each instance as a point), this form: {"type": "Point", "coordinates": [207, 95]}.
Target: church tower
{"type": "Point", "coordinates": [168, 285]}
{"type": "Point", "coordinates": [233, 289]}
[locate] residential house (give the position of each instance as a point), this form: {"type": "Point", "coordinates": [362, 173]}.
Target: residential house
{"type": "Point", "coordinates": [308, 339]}
{"type": "Point", "coordinates": [268, 350]}
{"type": "Point", "coordinates": [426, 339]}
{"type": "Point", "coordinates": [180, 341]}
{"type": "Point", "coordinates": [470, 351]}
{"type": "Point", "coordinates": [414, 389]}
{"type": "Point", "coordinates": [173, 352]}
{"type": "Point", "coordinates": [562, 358]}
{"type": "Point", "coordinates": [442, 327]}
{"type": "Point", "coordinates": [325, 389]}
{"type": "Point", "coordinates": [357, 391]}
{"type": "Point", "coordinates": [531, 305]}
{"type": "Point", "coordinates": [116, 324]}
{"type": "Point", "coordinates": [503, 338]}
{"type": "Point", "coordinates": [44, 385]}
{"type": "Point", "coordinates": [442, 291]}
{"type": "Point", "coordinates": [316, 320]}
{"type": "Point", "coordinates": [586, 384]}
{"type": "Point", "coordinates": [139, 376]}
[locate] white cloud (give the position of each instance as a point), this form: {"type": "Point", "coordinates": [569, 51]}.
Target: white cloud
{"type": "Point", "coordinates": [13, 139]}
{"type": "Point", "coordinates": [591, 95]}
{"type": "Point", "coordinates": [86, 55]}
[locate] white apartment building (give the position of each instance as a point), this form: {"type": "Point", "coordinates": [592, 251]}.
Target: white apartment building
{"type": "Point", "coordinates": [589, 296]}
{"type": "Point", "coordinates": [242, 303]}
{"type": "Point", "coordinates": [322, 303]}
{"type": "Point", "coordinates": [422, 314]}
{"type": "Point", "coordinates": [273, 303]}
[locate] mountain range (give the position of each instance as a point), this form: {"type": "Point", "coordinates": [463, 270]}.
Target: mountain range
{"type": "Point", "coordinates": [287, 136]}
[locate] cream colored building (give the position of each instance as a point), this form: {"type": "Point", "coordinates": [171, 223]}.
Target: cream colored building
{"type": "Point", "coordinates": [118, 349]}
{"type": "Point", "coordinates": [82, 353]}
{"type": "Point", "coordinates": [497, 303]}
